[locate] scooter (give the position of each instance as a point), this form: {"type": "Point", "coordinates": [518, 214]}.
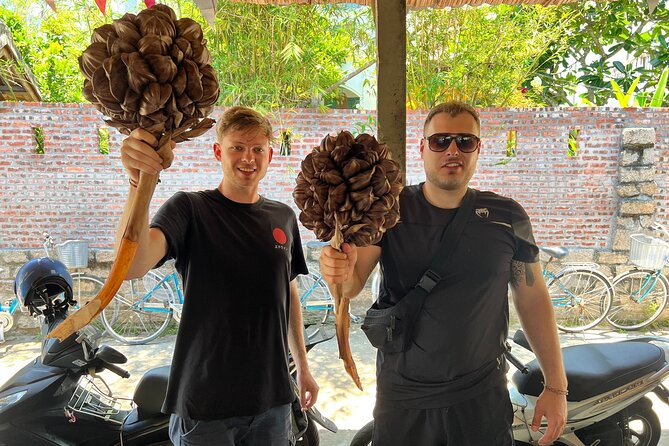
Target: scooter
{"type": "Point", "coordinates": [60, 399]}
{"type": "Point", "coordinates": [607, 403]}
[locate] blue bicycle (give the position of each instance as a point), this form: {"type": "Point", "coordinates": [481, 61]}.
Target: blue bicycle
{"type": "Point", "coordinates": [641, 293]}
{"type": "Point", "coordinates": [315, 298]}
{"type": "Point", "coordinates": [143, 308]}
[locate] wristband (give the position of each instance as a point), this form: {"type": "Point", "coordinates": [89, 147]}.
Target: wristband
{"type": "Point", "coordinates": [556, 390]}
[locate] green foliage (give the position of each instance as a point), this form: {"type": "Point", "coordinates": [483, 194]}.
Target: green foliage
{"type": "Point", "coordinates": [624, 98]}
{"type": "Point", "coordinates": [38, 134]}
{"type": "Point", "coordinates": [572, 146]}
{"type": "Point", "coordinates": [281, 56]}
{"type": "Point", "coordinates": [103, 136]}
{"type": "Point", "coordinates": [658, 97]}
{"type": "Point", "coordinates": [481, 55]}
{"type": "Point", "coordinates": [616, 40]}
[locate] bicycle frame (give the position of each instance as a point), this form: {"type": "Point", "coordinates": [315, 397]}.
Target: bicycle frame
{"type": "Point", "coordinates": [647, 286]}
{"type": "Point", "coordinates": [559, 301]}
{"type": "Point", "coordinates": [141, 303]}
{"type": "Point", "coordinates": [11, 308]}
{"type": "Point", "coordinates": [315, 305]}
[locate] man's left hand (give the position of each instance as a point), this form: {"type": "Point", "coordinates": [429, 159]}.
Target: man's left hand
{"type": "Point", "coordinates": [308, 389]}
{"type": "Point", "coordinates": [554, 408]}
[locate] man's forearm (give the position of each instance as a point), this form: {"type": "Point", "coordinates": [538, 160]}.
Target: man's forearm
{"type": "Point", "coordinates": [296, 331]}
{"type": "Point", "coordinates": [538, 320]}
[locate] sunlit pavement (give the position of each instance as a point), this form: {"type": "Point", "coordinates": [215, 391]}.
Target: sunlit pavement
{"type": "Point", "coordinates": [339, 399]}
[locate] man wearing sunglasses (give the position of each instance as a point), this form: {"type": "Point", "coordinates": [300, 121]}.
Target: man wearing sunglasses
{"type": "Point", "coordinates": [449, 386]}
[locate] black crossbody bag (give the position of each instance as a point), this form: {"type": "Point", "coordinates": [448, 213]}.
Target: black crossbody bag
{"type": "Point", "coordinates": [391, 329]}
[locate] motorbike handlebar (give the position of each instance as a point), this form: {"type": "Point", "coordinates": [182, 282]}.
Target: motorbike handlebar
{"type": "Point", "coordinates": [116, 369]}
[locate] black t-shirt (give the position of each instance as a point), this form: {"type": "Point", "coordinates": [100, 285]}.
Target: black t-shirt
{"type": "Point", "coordinates": [461, 331]}
{"type": "Point", "coordinates": [237, 261]}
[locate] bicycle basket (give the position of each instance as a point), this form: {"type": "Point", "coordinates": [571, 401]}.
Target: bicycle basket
{"type": "Point", "coordinates": [89, 399]}
{"type": "Point", "coordinates": [73, 253]}
{"type": "Point", "coordinates": [648, 252]}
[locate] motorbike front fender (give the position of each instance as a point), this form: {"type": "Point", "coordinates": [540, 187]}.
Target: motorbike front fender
{"type": "Point", "coordinates": [314, 415]}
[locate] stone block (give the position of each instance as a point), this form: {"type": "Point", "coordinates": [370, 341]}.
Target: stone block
{"type": "Point", "coordinates": [627, 190]}
{"type": "Point", "coordinates": [648, 157]}
{"type": "Point", "coordinates": [612, 258]}
{"type": "Point", "coordinates": [621, 241]}
{"type": "Point", "coordinates": [637, 207]}
{"type": "Point", "coordinates": [629, 157]}
{"type": "Point", "coordinates": [648, 188]}
{"type": "Point", "coordinates": [627, 222]}
{"type": "Point", "coordinates": [580, 255]}
{"type": "Point", "coordinates": [638, 138]}
{"type": "Point", "coordinates": [636, 174]}
{"type": "Point", "coordinates": [104, 256]}
{"type": "Point", "coordinates": [646, 220]}
{"type": "Point", "coordinates": [14, 256]}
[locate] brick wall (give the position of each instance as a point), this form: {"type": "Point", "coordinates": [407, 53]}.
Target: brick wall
{"type": "Point", "coordinates": [75, 192]}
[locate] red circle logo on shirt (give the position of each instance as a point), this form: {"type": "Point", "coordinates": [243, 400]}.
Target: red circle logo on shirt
{"type": "Point", "coordinates": [279, 236]}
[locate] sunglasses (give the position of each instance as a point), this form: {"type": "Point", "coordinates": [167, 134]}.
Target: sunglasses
{"type": "Point", "coordinates": [465, 142]}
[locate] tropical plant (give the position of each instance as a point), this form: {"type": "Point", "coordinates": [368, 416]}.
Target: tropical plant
{"type": "Point", "coordinates": [620, 40]}
{"type": "Point", "coordinates": [481, 54]}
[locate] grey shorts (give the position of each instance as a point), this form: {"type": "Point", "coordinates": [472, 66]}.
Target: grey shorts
{"type": "Point", "coordinates": [272, 428]}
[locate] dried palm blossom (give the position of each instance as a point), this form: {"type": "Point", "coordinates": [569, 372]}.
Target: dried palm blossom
{"type": "Point", "coordinates": [348, 192]}
{"type": "Point", "coordinates": [148, 71]}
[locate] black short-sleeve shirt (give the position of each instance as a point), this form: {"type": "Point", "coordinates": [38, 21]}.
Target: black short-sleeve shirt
{"type": "Point", "coordinates": [237, 261]}
{"type": "Point", "coordinates": [462, 328]}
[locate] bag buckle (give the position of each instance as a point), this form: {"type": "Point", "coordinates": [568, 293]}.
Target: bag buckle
{"type": "Point", "coordinates": [429, 280]}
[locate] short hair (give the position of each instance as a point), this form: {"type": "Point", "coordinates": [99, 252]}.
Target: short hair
{"type": "Point", "coordinates": [453, 108]}
{"type": "Point", "coordinates": [244, 119]}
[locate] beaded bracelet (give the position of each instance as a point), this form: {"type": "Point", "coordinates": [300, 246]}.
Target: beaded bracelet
{"type": "Point", "coordinates": [556, 390]}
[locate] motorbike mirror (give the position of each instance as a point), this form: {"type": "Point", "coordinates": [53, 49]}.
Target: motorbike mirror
{"type": "Point", "coordinates": [110, 355]}
{"type": "Point", "coordinates": [520, 339]}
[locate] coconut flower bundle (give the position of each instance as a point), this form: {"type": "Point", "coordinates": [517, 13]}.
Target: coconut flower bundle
{"type": "Point", "coordinates": [154, 72]}
{"type": "Point", "coordinates": [348, 192]}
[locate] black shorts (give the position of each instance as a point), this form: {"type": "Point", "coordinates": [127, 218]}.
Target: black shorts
{"type": "Point", "coordinates": [482, 421]}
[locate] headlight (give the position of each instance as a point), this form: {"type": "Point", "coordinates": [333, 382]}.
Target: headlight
{"type": "Point", "coordinates": [13, 398]}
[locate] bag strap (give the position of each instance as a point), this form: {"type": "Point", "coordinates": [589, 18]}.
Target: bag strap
{"type": "Point", "coordinates": [440, 261]}
{"type": "Point", "coordinates": [451, 236]}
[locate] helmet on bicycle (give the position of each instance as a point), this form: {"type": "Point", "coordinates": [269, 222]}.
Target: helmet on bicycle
{"type": "Point", "coordinates": [41, 279]}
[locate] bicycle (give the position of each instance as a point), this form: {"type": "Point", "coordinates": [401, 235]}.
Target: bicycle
{"type": "Point", "coordinates": [74, 255]}
{"type": "Point", "coordinates": [641, 293]}
{"type": "Point", "coordinates": [580, 294]}
{"type": "Point", "coordinates": [144, 308]}
{"type": "Point", "coordinates": [316, 299]}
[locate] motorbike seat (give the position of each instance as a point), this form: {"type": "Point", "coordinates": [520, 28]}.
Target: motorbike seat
{"type": "Point", "coordinates": [150, 392]}
{"type": "Point", "coordinates": [593, 369]}
{"type": "Point", "coordinates": [555, 251]}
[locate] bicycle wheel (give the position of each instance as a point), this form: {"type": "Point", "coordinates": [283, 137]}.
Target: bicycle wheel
{"type": "Point", "coordinates": [316, 300]}
{"type": "Point", "coordinates": [639, 298]}
{"type": "Point", "coordinates": [84, 289]}
{"type": "Point", "coordinates": [581, 298]}
{"type": "Point", "coordinates": [141, 312]}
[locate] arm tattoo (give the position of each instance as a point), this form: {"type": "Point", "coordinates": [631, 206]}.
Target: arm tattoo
{"type": "Point", "coordinates": [521, 271]}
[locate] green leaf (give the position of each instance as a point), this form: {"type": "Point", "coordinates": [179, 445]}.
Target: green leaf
{"type": "Point", "coordinates": [658, 97]}
{"type": "Point", "coordinates": [620, 96]}
{"type": "Point", "coordinates": [619, 66]}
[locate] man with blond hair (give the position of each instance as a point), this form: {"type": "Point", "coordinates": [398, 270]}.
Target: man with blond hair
{"type": "Point", "coordinates": [449, 386]}
{"type": "Point", "coordinates": [239, 254]}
